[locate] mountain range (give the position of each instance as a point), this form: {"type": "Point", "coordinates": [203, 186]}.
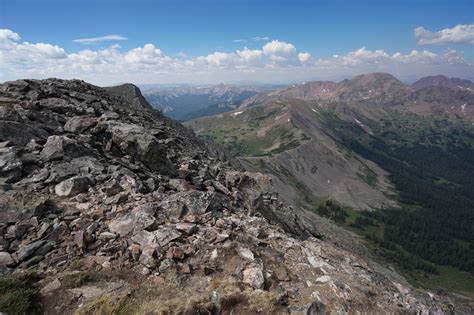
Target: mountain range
{"type": "Point", "coordinates": [109, 207]}
{"type": "Point", "coordinates": [389, 155]}
{"type": "Point", "coordinates": [187, 102]}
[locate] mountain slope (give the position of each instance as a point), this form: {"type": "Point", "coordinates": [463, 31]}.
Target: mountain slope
{"type": "Point", "coordinates": [286, 134]}
{"type": "Point", "coordinates": [369, 143]}
{"type": "Point", "coordinates": [121, 210]}
{"type": "Point", "coordinates": [441, 80]}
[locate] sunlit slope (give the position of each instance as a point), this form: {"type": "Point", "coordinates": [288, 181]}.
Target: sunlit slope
{"type": "Point", "coordinates": [293, 140]}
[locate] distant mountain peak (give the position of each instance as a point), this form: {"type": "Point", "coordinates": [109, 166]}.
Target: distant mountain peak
{"type": "Point", "coordinates": [441, 80]}
{"type": "Point", "coordinates": [370, 78]}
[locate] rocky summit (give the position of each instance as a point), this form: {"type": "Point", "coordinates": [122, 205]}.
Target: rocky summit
{"type": "Point", "coordinates": [108, 207]}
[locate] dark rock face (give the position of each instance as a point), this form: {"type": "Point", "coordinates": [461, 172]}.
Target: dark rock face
{"type": "Point", "coordinates": [95, 175]}
{"type": "Point", "coordinates": [131, 94]}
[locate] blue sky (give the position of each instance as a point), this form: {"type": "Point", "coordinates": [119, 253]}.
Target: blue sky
{"type": "Point", "coordinates": [182, 31]}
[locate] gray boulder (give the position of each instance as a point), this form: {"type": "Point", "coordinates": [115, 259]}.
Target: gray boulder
{"type": "Point", "coordinates": [72, 186]}
{"type": "Point", "coordinates": [79, 124]}
{"type": "Point", "coordinates": [60, 147]}
{"type": "Point", "coordinates": [26, 251]}
{"type": "Point", "coordinates": [137, 220]}
{"type": "Point", "coordinates": [6, 259]}
{"type": "Point", "coordinates": [137, 142]}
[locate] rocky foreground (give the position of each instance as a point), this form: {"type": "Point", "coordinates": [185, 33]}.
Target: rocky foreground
{"type": "Point", "coordinates": [106, 206]}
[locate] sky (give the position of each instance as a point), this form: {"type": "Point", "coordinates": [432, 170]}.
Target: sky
{"type": "Point", "coordinates": [107, 42]}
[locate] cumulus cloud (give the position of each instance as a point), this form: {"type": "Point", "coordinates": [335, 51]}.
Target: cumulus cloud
{"type": "Point", "coordinates": [278, 48]}
{"type": "Point", "coordinates": [304, 57]}
{"type": "Point", "coordinates": [147, 54]}
{"type": "Point", "coordinates": [460, 34]}
{"type": "Point", "coordinates": [239, 40]}
{"type": "Point", "coordinates": [275, 61]}
{"type": "Point", "coordinates": [363, 57]}
{"type": "Point", "coordinates": [416, 56]}
{"type": "Point", "coordinates": [8, 37]}
{"type": "Point", "coordinates": [95, 40]}
{"type": "Point", "coordinates": [218, 59]}
{"type": "Point", "coordinates": [250, 56]}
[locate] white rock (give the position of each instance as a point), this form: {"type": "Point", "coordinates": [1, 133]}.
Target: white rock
{"type": "Point", "coordinates": [323, 279]}
{"type": "Point", "coordinates": [245, 253]}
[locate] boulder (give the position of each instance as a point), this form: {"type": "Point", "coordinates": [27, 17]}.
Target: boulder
{"type": "Point", "coordinates": [161, 237]}
{"type": "Point", "coordinates": [79, 124]}
{"type": "Point", "coordinates": [25, 251]}
{"type": "Point", "coordinates": [72, 186]}
{"type": "Point", "coordinates": [15, 207]}
{"type": "Point", "coordinates": [192, 202]}
{"type": "Point", "coordinates": [137, 142]}
{"type": "Point", "coordinates": [87, 165]}
{"type": "Point", "coordinates": [54, 148]}
{"type": "Point", "coordinates": [186, 228]}
{"type": "Point", "coordinates": [6, 259]}
{"type": "Point", "coordinates": [51, 287]}
{"type": "Point", "coordinates": [245, 253]}
{"type": "Point", "coordinates": [136, 220]}
{"type": "Point", "coordinates": [60, 147]}
{"type": "Point", "coordinates": [253, 276]}
{"type": "Point", "coordinates": [323, 279]}
{"type": "Point", "coordinates": [9, 160]}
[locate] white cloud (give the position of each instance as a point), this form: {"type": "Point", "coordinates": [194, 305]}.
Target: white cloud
{"type": "Point", "coordinates": [249, 55]}
{"type": "Point", "coordinates": [304, 57]}
{"type": "Point", "coordinates": [147, 54]}
{"type": "Point", "coordinates": [275, 61]}
{"type": "Point", "coordinates": [276, 47]}
{"type": "Point", "coordinates": [8, 37]}
{"type": "Point", "coordinates": [416, 56]}
{"type": "Point", "coordinates": [261, 38]}
{"type": "Point", "coordinates": [218, 59]}
{"type": "Point", "coordinates": [95, 40]}
{"type": "Point", "coordinates": [239, 40]}
{"type": "Point", "coordinates": [460, 34]}
{"type": "Point", "coordinates": [362, 55]}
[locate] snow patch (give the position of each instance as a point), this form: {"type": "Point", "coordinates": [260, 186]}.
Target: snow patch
{"type": "Point", "coordinates": [237, 113]}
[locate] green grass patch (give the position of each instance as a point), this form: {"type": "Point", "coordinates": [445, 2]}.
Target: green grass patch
{"type": "Point", "coordinates": [78, 279]}
{"type": "Point", "coordinates": [449, 278]}
{"type": "Point", "coordinates": [17, 294]}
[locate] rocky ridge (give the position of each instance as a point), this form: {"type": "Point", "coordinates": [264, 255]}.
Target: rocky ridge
{"type": "Point", "coordinates": [95, 180]}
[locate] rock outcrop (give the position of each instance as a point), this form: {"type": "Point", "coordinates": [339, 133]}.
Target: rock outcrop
{"type": "Point", "coordinates": [94, 181]}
